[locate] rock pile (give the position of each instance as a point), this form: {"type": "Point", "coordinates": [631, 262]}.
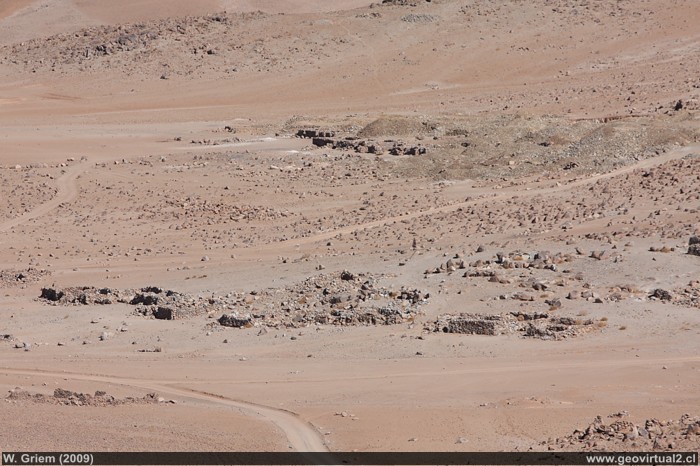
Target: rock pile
{"type": "Point", "coordinates": [69, 398]}
{"type": "Point", "coordinates": [330, 299]}
{"type": "Point", "coordinates": [368, 146]}
{"type": "Point", "coordinates": [214, 142]}
{"type": "Point", "coordinates": [400, 148]}
{"type": "Point", "coordinates": [689, 295]}
{"type": "Point", "coordinates": [81, 295]}
{"type": "Point", "coordinates": [414, 18]}
{"type": "Point", "coordinates": [314, 133]}
{"type": "Point", "coordinates": [349, 143]}
{"type": "Point", "coordinates": [531, 325]}
{"type": "Point", "coordinates": [149, 301]}
{"type": "Point", "coordinates": [507, 146]}
{"type": "Point", "coordinates": [511, 260]}
{"type": "Point", "coordinates": [623, 435]}
{"type": "Point", "coordinates": [694, 245]}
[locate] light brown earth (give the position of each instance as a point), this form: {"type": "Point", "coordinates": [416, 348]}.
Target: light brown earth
{"type": "Point", "coordinates": [549, 126]}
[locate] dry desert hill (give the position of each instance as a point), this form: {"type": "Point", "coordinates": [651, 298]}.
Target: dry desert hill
{"type": "Point", "coordinates": [407, 225]}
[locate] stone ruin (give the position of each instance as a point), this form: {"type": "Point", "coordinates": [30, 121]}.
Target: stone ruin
{"type": "Point", "coordinates": [149, 301]}
{"type": "Point", "coordinates": [343, 298]}
{"type": "Point", "coordinates": [529, 325]}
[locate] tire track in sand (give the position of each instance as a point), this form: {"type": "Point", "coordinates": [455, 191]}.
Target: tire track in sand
{"type": "Point", "coordinates": [483, 196]}
{"type": "Point", "coordinates": [67, 187]}
{"type": "Point", "coordinates": [302, 436]}
{"type": "Point", "coordinates": [487, 195]}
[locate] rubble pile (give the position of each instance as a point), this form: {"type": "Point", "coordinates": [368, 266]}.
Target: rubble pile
{"type": "Point", "coordinates": [369, 146]}
{"type": "Point", "coordinates": [694, 245]}
{"type": "Point", "coordinates": [689, 295]}
{"type": "Point", "coordinates": [331, 299]}
{"type": "Point", "coordinates": [68, 398]}
{"type": "Point", "coordinates": [512, 260]}
{"type": "Point", "coordinates": [334, 299]}
{"type": "Point", "coordinates": [149, 301]}
{"type": "Point", "coordinates": [621, 434]}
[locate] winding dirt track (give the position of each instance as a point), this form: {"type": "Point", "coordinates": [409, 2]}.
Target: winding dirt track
{"type": "Point", "coordinates": [67, 191]}
{"type": "Point", "coordinates": [302, 436]}
{"type": "Point", "coordinates": [488, 195]}
{"type": "Point", "coordinates": [169, 386]}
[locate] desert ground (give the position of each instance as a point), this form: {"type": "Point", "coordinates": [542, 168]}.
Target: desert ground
{"type": "Point", "coordinates": [410, 225]}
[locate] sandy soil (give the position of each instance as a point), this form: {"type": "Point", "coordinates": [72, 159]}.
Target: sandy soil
{"type": "Point", "coordinates": [533, 164]}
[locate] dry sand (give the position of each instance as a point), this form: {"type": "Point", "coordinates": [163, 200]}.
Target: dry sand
{"type": "Point", "coordinates": [156, 145]}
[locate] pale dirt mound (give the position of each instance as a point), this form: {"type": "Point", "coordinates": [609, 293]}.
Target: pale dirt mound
{"type": "Point", "coordinates": [518, 145]}
{"type": "Point", "coordinates": [393, 126]}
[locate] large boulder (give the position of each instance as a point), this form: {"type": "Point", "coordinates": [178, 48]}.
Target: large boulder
{"type": "Point", "coordinates": [694, 246]}
{"type": "Point", "coordinates": [236, 320]}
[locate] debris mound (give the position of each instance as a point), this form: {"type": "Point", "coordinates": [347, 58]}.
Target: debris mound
{"type": "Point", "coordinates": [68, 398]}
{"type": "Point", "coordinates": [149, 301]}
{"type": "Point", "coordinates": [624, 435]}
{"type": "Point", "coordinates": [343, 298]}
{"type": "Point", "coordinates": [694, 246]}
